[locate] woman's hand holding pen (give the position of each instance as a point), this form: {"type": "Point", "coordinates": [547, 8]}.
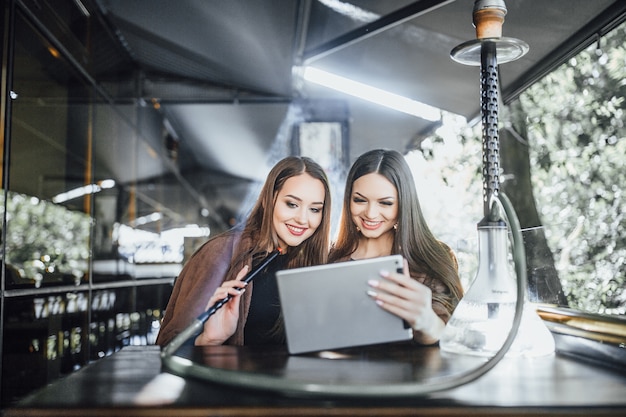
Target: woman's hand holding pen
{"type": "Point", "coordinates": [223, 323]}
{"type": "Point", "coordinates": [410, 300]}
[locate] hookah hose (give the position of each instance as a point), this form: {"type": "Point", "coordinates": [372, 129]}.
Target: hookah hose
{"type": "Point", "coordinates": [198, 323]}
{"type": "Point", "coordinates": [401, 390]}
{"type": "Point", "coordinates": [519, 259]}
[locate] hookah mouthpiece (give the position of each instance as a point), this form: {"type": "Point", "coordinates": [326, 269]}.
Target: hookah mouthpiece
{"type": "Point", "coordinates": [488, 17]}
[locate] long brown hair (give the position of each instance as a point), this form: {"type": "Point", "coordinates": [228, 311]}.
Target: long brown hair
{"type": "Point", "coordinates": [259, 237]}
{"type": "Point", "coordinates": [413, 238]}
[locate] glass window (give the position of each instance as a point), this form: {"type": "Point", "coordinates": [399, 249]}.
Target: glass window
{"type": "Point", "coordinates": [47, 236]}
{"type": "Point", "coordinates": [82, 170]}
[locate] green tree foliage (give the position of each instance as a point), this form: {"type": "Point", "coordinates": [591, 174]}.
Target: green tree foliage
{"type": "Point", "coordinates": [578, 145]}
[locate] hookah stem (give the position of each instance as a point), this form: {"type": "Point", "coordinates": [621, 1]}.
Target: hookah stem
{"type": "Point", "coordinates": [489, 112]}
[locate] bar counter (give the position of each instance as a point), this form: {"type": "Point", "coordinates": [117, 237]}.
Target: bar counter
{"type": "Point", "coordinates": [134, 382]}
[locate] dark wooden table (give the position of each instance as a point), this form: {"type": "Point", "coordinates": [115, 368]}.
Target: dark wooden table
{"type": "Point", "coordinates": [229, 381]}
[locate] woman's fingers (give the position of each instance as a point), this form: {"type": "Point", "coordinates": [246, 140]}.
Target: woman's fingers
{"type": "Point", "coordinates": [232, 288]}
{"type": "Point", "coordinates": [242, 274]}
{"type": "Point", "coordinates": [400, 285]}
{"type": "Point", "coordinates": [410, 300]}
{"type": "Point", "coordinates": [402, 295]}
{"type": "Point", "coordinates": [223, 323]}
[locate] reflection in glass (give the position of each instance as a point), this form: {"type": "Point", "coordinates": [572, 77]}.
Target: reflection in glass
{"type": "Point", "coordinates": [78, 166]}
{"type": "Point", "coordinates": [45, 242]}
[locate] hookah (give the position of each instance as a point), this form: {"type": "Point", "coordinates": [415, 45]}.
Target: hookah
{"type": "Point", "coordinates": [493, 319]}
{"type": "Point", "coordinates": [485, 315]}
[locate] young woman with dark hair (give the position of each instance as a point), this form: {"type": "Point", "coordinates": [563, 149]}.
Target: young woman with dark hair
{"type": "Point", "coordinates": [381, 216]}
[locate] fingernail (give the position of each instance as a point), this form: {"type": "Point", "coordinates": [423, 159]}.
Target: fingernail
{"type": "Point", "coordinates": [373, 283]}
{"type": "Point", "coordinates": [372, 293]}
{"type": "Point", "coordinates": [384, 273]}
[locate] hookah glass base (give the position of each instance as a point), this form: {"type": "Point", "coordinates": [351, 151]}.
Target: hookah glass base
{"type": "Point", "coordinates": [479, 329]}
{"type": "Point", "coordinates": [483, 318]}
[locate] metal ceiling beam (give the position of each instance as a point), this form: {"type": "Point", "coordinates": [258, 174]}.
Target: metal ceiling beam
{"type": "Point", "coordinates": [302, 28]}
{"type": "Point", "coordinates": [166, 89]}
{"type": "Point", "coordinates": [393, 19]}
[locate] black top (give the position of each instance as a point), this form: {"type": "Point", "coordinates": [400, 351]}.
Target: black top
{"type": "Point", "coordinates": [264, 314]}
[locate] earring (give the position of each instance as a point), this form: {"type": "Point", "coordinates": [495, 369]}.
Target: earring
{"type": "Point", "coordinates": [395, 226]}
{"type": "Point", "coordinates": [358, 229]}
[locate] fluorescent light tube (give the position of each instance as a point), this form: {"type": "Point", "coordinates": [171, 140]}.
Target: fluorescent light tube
{"type": "Point", "coordinates": [372, 94]}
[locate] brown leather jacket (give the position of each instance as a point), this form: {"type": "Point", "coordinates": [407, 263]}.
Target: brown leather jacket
{"type": "Point", "coordinates": [201, 276]}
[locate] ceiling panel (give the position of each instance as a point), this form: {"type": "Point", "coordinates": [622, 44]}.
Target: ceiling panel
{"type": "Point", "coordinates": [224, 71]}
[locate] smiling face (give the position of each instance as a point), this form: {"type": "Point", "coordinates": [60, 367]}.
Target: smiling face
{"type": "Point", "coordinates": [298, 210]}
{"type": "Point", "coordinates": [374, 205]}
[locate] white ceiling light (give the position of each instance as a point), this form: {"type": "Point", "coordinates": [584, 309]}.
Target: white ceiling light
{"type": "Point", "coordinates": [372, 94]}
{"type": "Point", "coordinates": [84, 190]}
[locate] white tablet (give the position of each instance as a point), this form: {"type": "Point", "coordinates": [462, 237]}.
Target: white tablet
{"type": "Point", "coordinates": [327, 306]}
